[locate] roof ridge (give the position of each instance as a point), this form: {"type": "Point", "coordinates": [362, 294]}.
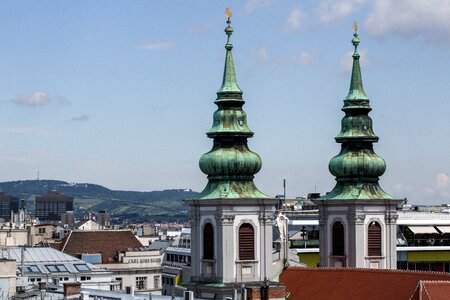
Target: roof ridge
{"type": "Point", "coordinates": [425, 289]}
{"type": "Point", "coordinates": [435, 281]}
{"type": "Point", "coordinates": [67, 240]}
{"type": "Point", "coordinates": [418, 285]}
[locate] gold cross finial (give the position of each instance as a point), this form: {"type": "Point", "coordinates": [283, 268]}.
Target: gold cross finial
{"type": "Point", "coordinates": [228, 12]}
{"type": "Point", "coordinates": [355, 26]}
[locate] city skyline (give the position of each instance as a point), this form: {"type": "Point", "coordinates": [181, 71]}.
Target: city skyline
{"type": "Point", "coordinates": [122, 94]}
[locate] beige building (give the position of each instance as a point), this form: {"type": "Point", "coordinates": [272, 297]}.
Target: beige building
{"type": "Point", "coordinates": [7, 278]}
{"type": "Point", "coordinates": [15, 237]}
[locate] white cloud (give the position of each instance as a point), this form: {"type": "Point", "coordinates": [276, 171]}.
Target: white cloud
{"type": "Point", "coordinates": [81, 118]}
{"type": "Point", "coordinates": [260, 55]}
{"type": "Point", "coordinates": [294, 20]}
{"type": "Point", "coordinates": [304, 58]}
{"type": "Point", "coordinates": [442, 180]}
{"type": "Point", "coordinates": [440, 188]}
{"type": "Point", "coordinates": [160, 45]}
{"type": "Point", "coordinates": [34, 99]}
{"type": "Point", "coordinates": [426, 18]}
{"type": "Point", "coordinates": [333, 10]}
{"type": "Point", "coordinates": [347, 61]}
{"type": "Point", "coordinates": [301, 58]}
{"type": "Point", "coordinates": [39, 99]}
{"type": "Point", "coordinates": [253, 5]}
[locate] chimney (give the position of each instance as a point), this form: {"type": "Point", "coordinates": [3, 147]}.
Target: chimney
{"type": "Point", "coordinates": [72, 288]}
{"type": "Point", "coordinates": [42, 285]}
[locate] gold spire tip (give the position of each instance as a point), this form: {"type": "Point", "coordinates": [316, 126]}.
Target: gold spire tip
{"type": "Point", "coordinates": [355, 26]}
{"type": "Point", "coordinates": [228, 12]}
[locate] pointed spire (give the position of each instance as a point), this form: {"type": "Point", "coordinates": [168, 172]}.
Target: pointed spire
{"type": "Point", "coordinates": [229, 83]}
{"type": "Point", "coordinates": [230, 164]}
{"type": "Point", "coordinates": [357, 167]}
{"type": "Point", "coordinates": [356, 86]}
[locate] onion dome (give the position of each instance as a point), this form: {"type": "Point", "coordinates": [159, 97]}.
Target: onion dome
{"type": "Point", "coordinates": [230, 165]}
{"type": "Point", "coordinates": [357, 167]}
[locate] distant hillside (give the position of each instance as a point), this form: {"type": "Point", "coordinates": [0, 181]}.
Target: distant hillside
{"type": "Point", "coordinates": [136, 206]}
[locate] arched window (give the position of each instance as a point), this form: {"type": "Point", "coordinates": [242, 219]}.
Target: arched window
{"type": "Point", "coordinates": [338, 239]}
{"type": "Point", "coordinates": [374, 239]}
{"type": "Point", "coordinates": [208, 241]}
{"type": "Point", "coordinates": [246, 242]}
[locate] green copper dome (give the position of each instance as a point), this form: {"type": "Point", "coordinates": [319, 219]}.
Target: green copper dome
{"type": "Point", "coordinates": [357, 167]}
{"type": "Point", "coordinates": [230, 165]}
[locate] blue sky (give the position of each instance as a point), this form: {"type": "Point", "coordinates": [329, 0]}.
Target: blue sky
{"type": "Point", "coordinates": [120, 93]}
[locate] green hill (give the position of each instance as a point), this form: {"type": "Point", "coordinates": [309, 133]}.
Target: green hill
{"type": "Point", "coordinates": [131, 205]}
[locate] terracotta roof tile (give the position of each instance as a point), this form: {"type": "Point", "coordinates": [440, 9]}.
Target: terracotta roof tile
{"type": "Point", "coordinates": [432, 290]}
{"type": "Point", "coordinates": [346, 283]}
{"type": "Point", "coordinates": [106, 242]}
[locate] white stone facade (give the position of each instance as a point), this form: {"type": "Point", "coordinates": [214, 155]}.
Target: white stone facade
{"type": "Point", "coordinates": [356, 216]}
{"type": "Point", "coordinates": [226, 216]}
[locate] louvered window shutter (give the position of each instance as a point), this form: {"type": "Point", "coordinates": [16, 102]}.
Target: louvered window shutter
{"type": "Point", "coordinates": [374, 239]}
{"type": "Point", "coordinates": [246, 242]}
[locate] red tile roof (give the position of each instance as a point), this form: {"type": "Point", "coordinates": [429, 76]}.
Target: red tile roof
{"type": "Point", "coordinates": [432, 290]}
{"type": "Point", "coordinates": [367, 284]}
{"type": "Point", "coordinates": [106, 242]}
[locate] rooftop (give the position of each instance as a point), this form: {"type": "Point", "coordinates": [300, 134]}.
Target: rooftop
{"type": "Point", "coordinates": [108, 243]}
{"type": "Point", "coordinates": [367, 284]}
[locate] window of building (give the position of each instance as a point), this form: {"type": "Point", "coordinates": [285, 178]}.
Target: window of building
{"type": "Point", "coordinates": [374, 239]}
{"type": "Point", "coordinates": [84, 278]}
{"type": "Point", "coordinates": [32, 269]}
{"type": "Point", "coordinates": [156, 282]}
{"type": "Point", "coordinates": [141, 283]}
{"type": "Point", "coordinates": [61, 268]}
{"type": "Point", "coordinates": [119, 280]}
{"type": "Point", "coordinates": [246, 242]}
{"type": "Point", "coordinates": [338, 239]}
{"type": "Point", "coordinates": [82, 267]}
{"type": "Point", "coordinates": [51, 268]}
{"type": "Point", "coordinates": [56, 268]}
{"type": "Point", "coordinates": [208, 241]}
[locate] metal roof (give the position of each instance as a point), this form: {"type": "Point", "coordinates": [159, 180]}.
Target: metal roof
{"type": "Point", "coordinates": [42, 257]}
{"type": "Point", "coordinates": [178, 250]}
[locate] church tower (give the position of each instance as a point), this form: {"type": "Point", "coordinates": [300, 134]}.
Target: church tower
{"type": "Point", "coordinates": [357, 218]}
{"type": "Point", "coordinates": [231, 220]}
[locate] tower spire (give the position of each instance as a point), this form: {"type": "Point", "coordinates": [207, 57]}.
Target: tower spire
{"type": "Point", "coordinates": [229, 83]}
{"type": "Point", "coordinates": [357, 167]}
{"type": "Point", "coordinates": [357, 216]}
{"type": "Point", "coordinates": [356, 86]}
{"type": "Point", "coordinates": [230, 165]}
